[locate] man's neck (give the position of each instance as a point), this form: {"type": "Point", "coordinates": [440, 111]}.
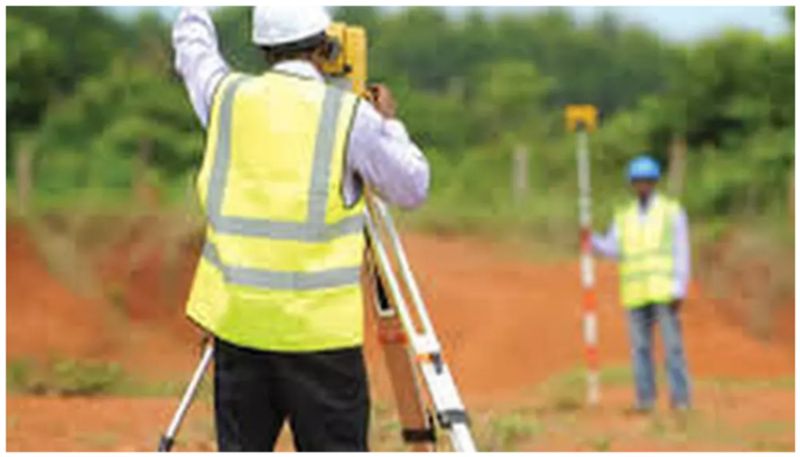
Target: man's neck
{"type": "Point", "coordinates": [644, 200]}
{"type": "Point", "coordinates": [298, 67]}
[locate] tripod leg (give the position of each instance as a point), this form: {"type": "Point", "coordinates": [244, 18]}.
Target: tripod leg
{"type": "Point", "coordinates": [168, 439]}
{"type": "Point", "coordinates": [417, 426]}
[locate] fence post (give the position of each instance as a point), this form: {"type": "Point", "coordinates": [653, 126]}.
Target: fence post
{"type": "Point", "coordinates": [677, 165]}
{"type": "Point", "coordinates": [519, 172]}
{"type": "Point", "coordinates": [24, 172]}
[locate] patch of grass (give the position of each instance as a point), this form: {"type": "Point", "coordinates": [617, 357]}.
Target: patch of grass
{"type": "Point", "coordinates": [101, 441]}
{"type": "Point", "coordinates": [658, 427]}
{"type": "Point", "coordinates": [20, 376]}
{"type": "Point", "coordinates": [135, 388]}
{"type": "Point", "coordinates": [115, 295]}
{"type": "Point", "coordinates": [385, 428]}
{"type": "Point", "coordinates": [619, 375]}
{"type": "Point", "coordinates": [566, 391]}
{"type": "Point", "coordinates": [781, 382]}
{"type": "Point", "coordinates": [772, 446]}
{"type": "Point", "coordinates": [80, 377]}
{"type": "Point", "coordinates": [567, 402]}
{"type": "Point", "coordinates": [600, 443]}
{"type": "Point", "coordinates": [504, 432]}
{"type": "Point", "coordinates": [695, 427]}
{"type": "Point", "coordinates": [75, 377]}
{"type": "Point", "coordinates": [771, 426]}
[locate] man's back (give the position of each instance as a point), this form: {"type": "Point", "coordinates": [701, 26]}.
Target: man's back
{"type": "Point", "coordinates": [280, 237]}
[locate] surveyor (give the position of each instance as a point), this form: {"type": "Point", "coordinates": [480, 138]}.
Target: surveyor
{"type": "Point", "coordinates": [649, 237]}
{"type": "Point", "coordinates": [287, 158]}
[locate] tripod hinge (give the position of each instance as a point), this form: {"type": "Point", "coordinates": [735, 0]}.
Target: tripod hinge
{"type": "Point", "coordinates": [419, 435]}
{"type": "Point", "coordinates": [435, 358]}
{"type": "Point", "coordinates": [449, 417]}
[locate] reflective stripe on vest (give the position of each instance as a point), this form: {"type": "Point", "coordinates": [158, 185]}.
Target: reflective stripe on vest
{"type": "Point", "coordinates": [646, 258]}
{"type": "Point", "coordinates": [287, 280]}
{"type": "Point", "coordinates": [280, 267]}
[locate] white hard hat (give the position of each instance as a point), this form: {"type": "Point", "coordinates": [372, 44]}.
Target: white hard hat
{"type": "Point", "coordinates": [279, 24]}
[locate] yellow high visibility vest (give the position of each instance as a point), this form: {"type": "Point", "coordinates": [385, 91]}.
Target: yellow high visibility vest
{"type": "Point", "coordinates": [647, 263]}
{"type": "Point", "coordinates": [281, 261]}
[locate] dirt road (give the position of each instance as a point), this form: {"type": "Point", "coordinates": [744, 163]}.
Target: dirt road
{"type": "Point", "coordinates": [506, 324]}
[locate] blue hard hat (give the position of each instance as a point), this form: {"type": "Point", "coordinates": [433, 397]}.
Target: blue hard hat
{"type": "Point", "coordinates": [643, 167]}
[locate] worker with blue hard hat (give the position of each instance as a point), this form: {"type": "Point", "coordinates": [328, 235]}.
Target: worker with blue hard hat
{"type": "Point", "coordinates": [650, 238]}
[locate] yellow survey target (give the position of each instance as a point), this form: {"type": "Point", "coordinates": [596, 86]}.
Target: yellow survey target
{"type": "Point", "coordinates": [581, 116]}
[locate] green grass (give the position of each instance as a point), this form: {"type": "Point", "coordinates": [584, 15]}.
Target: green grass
{"type": "Point", "coordinates": [600, 443]}
{"type": "Point", "coordinates": [562, 400]}
{"type": "Point", "coordinates": [508, 430]}
{"type": "Point", "coordinates": [781, 382]}
{"type": "Point", "coordinates": [772, 446]}
{"type": "Point", "coordinates": [100, 441]}
{"type": "Point", "coordinates": [71, 377]}
{"type": "Point", "coordinates": [566, 391]}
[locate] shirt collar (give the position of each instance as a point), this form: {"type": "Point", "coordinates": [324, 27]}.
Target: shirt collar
{"type": "Point", "coordinates": [301, 68]}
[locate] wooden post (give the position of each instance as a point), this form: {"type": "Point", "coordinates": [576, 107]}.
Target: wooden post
{"type": "Point", "coordinates": [519, 172]}
{"type": "Point", "coordinates": [790, 188]}
{"type": "Point", "coordinates": [24, 176]}
{"type": "Point", "coordinates": [144, 192]}
{"type": "Point", "coordinates": [677, 165]}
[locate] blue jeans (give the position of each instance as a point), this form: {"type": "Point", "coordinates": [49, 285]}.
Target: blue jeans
{"type": "Point", "coordinates": [640, 324]}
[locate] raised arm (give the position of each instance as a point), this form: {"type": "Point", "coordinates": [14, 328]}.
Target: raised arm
{"type": "Point", "coordinates": [197, 58]}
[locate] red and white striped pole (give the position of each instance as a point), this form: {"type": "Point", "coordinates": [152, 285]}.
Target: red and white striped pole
{"type": "Point", "coordinates": [582, 119]}
{"type": "Point", "coordinates": [587, 270]}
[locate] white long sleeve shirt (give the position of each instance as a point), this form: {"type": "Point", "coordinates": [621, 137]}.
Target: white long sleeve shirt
{"type": "Point", "coordinates": [379, 150]}
{"type": "Point", "coordinates": [608, 245]}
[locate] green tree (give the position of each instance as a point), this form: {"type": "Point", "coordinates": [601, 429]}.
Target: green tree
{"type": "Point", "coordinates": [509, 97]}
{"type": "Point", "coordinates": [131, 113]}
{"type": "Point", "coordinates": [29, 65]}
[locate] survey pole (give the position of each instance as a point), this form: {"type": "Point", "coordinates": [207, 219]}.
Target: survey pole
{"type": "Point", "coordinates": [582, 119]}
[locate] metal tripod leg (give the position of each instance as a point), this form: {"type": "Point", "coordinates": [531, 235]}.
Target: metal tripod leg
{"type": "Point", "coordinates": [168, 439]}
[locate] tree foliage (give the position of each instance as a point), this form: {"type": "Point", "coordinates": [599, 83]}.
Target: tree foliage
{"type": "Point", "coordinates": [97, 93]}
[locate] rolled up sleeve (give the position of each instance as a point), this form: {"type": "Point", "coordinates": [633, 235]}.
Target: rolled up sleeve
{"type": "Point", "coordinates": [381, 154]}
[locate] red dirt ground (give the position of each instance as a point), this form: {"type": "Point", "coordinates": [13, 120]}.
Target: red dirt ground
{"type": "Point", "coordinates": [44, 317]}
{"type": "Point", "coordinates": [506, 324]}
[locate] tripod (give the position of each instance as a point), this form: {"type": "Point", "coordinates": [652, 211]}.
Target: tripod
{"type": "Point", "coordinates": [412, 351]}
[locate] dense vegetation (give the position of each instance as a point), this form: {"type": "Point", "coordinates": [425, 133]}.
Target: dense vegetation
{"type": "Point", "coordinates": [94, 101]}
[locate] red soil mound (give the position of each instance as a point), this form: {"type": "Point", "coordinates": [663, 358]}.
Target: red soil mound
{"type": "Point", "coordinates": [506, 324]}
{"type": "Point", "coordinates": [43, 317]}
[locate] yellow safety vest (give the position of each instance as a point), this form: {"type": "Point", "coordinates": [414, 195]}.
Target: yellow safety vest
{"type": "Point", "coordinates": [647, 263]}
{"type": "Point", "coordinates": [281, 261]}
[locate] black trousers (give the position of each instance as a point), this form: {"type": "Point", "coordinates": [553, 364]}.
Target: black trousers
{"type": "Point", "coordinates": [324, 395]}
